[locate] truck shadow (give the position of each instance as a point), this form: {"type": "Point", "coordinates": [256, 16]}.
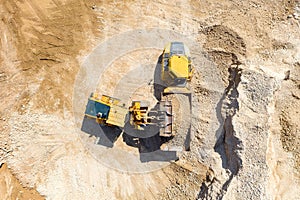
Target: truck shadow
{"type": "Point", "coordinates": [149, 147]}
{"type": "Point", "coordinates": [106, 135]}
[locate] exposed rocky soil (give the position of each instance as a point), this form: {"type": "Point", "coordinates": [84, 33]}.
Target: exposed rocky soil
{"type": "Point", "coordinates": [245, 140]}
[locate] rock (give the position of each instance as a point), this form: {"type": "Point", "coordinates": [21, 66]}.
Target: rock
{"type": "Point", "coordinates": [287, 75]}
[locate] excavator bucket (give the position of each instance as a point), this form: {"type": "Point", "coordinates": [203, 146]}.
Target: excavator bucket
{"type": "Point", "coordinates": [166, 117]}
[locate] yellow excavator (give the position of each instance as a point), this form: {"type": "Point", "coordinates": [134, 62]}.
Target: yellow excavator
{"type": "Point", "coordinates": [177, 68]}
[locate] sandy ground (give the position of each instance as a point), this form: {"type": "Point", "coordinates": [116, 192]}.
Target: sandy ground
{"type": "Point", "coordinates": [244, 121]}
{"type": "Point", "coordinates": [12, 189]}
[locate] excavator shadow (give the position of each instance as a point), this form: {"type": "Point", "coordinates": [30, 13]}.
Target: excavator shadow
{"type": "Point", "coordinates": [149, 148]}
{"type": "Point", "coordinates": [158, 84]}
{"type": "Point", "coordinates": [106, 135]}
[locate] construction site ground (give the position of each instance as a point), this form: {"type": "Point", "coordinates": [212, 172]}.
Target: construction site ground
{"type": "Point", "coordinates": [244, 121]}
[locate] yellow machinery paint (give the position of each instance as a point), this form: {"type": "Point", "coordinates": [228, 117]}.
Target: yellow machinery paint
{"type": "Point", "coordinates": [139, 114]}
{"type": "Point", "coordinates": [106, 110]}
{"type": "Point", "coordinates": [176, 71]}
{"type": "Point", "coordinates": [176, 67]}
{"type": "Point", "coordinates": [161, 116]}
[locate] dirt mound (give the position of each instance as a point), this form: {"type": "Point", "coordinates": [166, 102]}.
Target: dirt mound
{"type": "Point", "coordinates": [225, 47]}
{"type": "Point", "coordinates": [186, 183]}
{"type": "Point", "coordinates": [223, 38]}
